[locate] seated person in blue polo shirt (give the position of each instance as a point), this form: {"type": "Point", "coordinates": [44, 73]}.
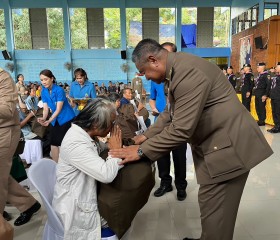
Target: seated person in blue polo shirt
{"type": "Point", "coordinates": [81, 88]}
{"type": "Point", "coordinates": [62, 114]}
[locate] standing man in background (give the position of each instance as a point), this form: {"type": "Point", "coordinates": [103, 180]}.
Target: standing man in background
{"type": "Point", "coordinates": [137, 85]}
{"type": "Point", "coordinates": [275, 100]}
{"type": "Point", "coordinates": [231, 77]}
{"type": "Point", "coordinates": [247, 84]}
{"type": "Point", "coordinates": [158, 103]}
{"type": "Point", "coordinates": [262, 88]}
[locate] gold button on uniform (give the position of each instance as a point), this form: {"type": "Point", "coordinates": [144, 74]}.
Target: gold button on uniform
{"type": "Point", "coordinates": [215, 148]}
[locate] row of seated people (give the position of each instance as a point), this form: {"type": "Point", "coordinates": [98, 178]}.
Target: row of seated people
{"type": "Point", "coordinates": [29, 110]}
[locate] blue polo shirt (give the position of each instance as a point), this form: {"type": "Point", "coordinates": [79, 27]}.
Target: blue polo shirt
{"type": "Point", "coordinates": [58, 95]}
{"type": "Point", "coordinates": [157, 94]}
{"type": "Point", "coordinates": [86, 91]}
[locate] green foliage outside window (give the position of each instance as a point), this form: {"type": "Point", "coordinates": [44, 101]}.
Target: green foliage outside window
{"type": "Point", "coordinates": [55, 28]}
{"type": "Point", "coordinates": [22, 34]}
{"type": "Point", "coordinates": [112, 28]}
{"type": "Point", "coordinates": [2, 30]}
{"type": "Point", "coordinates": [221, 26]}
{"type": "Point", "coordinates": [78, 23]}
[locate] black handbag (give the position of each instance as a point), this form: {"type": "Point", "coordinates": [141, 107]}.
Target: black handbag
{"type": "Point", "coordinates": [21, 144]}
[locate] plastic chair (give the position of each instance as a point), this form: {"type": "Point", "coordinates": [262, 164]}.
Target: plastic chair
{"type": "Point", "coordinates": [42, 175]}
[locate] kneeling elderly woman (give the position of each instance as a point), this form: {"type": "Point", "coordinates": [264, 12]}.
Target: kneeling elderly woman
{"type": "Point", "coordinates": [80, 166]}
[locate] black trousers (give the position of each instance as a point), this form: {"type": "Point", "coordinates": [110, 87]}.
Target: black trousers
{"type": "Point", "coordinates": [246, 101]}
{"type": "Point", "coordinates": [275, 105]}
{"type": "Point", "coordinates": [180, 161]}
{"type": "Point", "coordinates": [260, 108]}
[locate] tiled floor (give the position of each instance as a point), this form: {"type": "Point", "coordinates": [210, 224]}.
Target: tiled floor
{"type": "Point", "coordinates": [167, 219]}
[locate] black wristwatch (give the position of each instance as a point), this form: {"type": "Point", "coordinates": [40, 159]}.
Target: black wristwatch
{"type": "Point", "coordinates": [140, 152]}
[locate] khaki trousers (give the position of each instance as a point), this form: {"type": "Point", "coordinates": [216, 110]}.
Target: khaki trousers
{"type": "Point", "coordinates": [219, 206]}
{"type": "Point", "coordinates": [10, 190]}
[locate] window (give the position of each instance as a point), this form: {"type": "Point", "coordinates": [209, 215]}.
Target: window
{"type": "Point", "coordinates": [270, 9]}
{"type": "Point", "coordinates": [189, 24]}
{"type": "Point", "coordinates": [221, 26]}
{"type": "Point", "coordinates": [112, 27]}
{"type": "Point", "coordinates": [2, 30]}
{"type": "Point", "coordinates": [189, 16]}
{"type": "Point", "coordinates": [22, 34]}
{"type": "Point", "coordinates": [55, 28]}
{"type": "Point", "coordinates": [133, 26]}
{"type": "Point", "coordinates": [166, 25]}
{"type": "Point", "coordinates": [245, 20]}
{"type": "Point", "coordinates": [95, 28]}
{"type": "Point", "coordinates": [78, 25]}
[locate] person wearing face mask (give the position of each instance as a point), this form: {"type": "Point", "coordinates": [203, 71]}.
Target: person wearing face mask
{"type": "Point", "coordinates": [81, 88]}
{"type": "Point", "coordinates": [54, 98]}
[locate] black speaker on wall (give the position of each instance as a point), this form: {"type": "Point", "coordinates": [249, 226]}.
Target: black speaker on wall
{"type": "Point", "coordinates": [123, 54]}
{"type": "Point", "coordinates": [6, 55]}
{"type": "Point", "coordinates": [258, 42]}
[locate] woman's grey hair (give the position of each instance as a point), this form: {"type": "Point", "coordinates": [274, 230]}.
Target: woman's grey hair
{"type": "Point", "coordinates": [97, 113]}
{"type": "Point", "coordinates": [145, 47]}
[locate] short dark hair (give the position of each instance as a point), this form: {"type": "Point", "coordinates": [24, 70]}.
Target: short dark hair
{"type": "Point", "coordinates": [145, 47]}
{"type": "Point", "coordinates": [113, 97]}
{"type": "Point", "coordinates": [19, 76]}
{"type": "Point", "coordinates": [81, 72]}
{"type": "Point", "coordinates": [170, 44]}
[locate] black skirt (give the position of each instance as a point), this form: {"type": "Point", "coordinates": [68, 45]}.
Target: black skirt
{"type": "Point", "coordinates": [58, 132]}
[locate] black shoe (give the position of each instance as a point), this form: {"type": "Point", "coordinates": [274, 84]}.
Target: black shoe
{"type": "Point", "coordinates": [181, 195]}
{"type": "Point", "coordinates": [275, 130]}
{"type": "Point", "coordinates": [7, 216]}
{"type": "Point", "coordinates": [26, 215]}
{"type": "Point", "coordinates": [269, 130]}
{"type": "Point", "coordinates": [261, 123]}
{"type": "Point", "coordinates": [162, 190]}
{"type": "Point", "coordinates": [191, 238]}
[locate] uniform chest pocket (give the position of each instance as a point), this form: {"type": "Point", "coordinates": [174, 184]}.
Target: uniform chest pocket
{"type": "Point", "coordinates": [86, 215]}
{"type": "Point", "coordinates": [219, 155]}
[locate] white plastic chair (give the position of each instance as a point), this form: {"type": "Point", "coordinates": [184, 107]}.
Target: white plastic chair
{"type": "Point", "coordinates": [42, 175]}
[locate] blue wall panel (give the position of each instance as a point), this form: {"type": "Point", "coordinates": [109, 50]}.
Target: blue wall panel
{"type": "Point", "coordinates": [102, 69]}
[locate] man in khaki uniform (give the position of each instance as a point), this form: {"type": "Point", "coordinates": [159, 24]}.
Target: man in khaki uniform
{"type": "Point", "coordinates": [137, 84]}
{"type": "Point", "coordinates": [10, 190]}
{"type": "Point", "coordinates": [205, 112]}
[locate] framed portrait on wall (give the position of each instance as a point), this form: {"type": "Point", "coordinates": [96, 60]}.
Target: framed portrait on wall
{"type": "Point", "coordinates": [245, 46]}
